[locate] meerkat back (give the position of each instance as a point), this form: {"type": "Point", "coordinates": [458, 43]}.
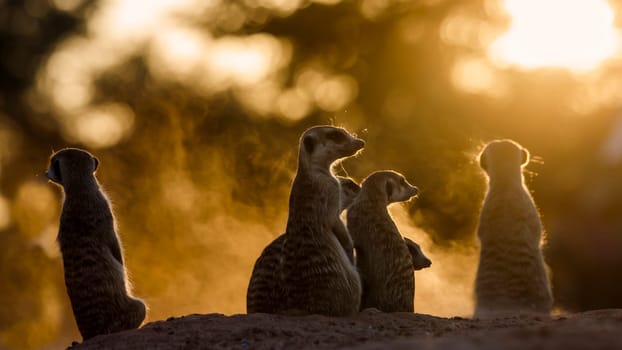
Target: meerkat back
{"type": "Point", "coordinates": [319, 277]}
{"type": "Point", "coordinates": [265, 292]}
{"type": "Point", "coordinates": [95, 277]}
{"type": "Point", "coordinates": [511, 275]}
{"type": "Point", "coordinates": [384, 259]}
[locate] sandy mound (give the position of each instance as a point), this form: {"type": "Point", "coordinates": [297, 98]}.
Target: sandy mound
{"type": "Point", "coordinates": [589, 330]}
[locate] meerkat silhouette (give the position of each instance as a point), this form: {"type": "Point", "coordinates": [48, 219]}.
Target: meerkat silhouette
{"type": "Point", "coordinates": [95, 277]}
{"type": "Point", "coordinates": [265, 289]}
{"type": "Point", "coordinates": [318, 275]}
{"type": "Point", "coordinates": [511, 275]}
{"type": "Point", "coordinates": [386, 261]}
{"type": "Point", "coordinates": [420, 261]}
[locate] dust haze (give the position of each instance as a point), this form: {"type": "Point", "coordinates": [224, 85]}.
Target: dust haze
{"type": "Point", "coordinates": [446, 287]}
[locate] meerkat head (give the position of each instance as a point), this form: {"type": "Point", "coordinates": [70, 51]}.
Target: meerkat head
{"type": "Point", "coordinates": [71, 165]}
{"type": "Point", "coordinates": [349, 191]}
{"type": "Point", "coordinates": [390, 185]}
{"type": "Point", "coordinates": [420, 261]}
{"type": "Point", "coordinates": [322, 146]}
{"type": "Point", "coordinates": [503, 156]}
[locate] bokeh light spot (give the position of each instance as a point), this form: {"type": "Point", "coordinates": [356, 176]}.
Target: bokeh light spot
{"type": "Point", "coordinates": [5, 213]}
{"type": "Point", "coordinates": [35, 206]}
{"type": "Point", "coordinates": [373, 8]}
{"type": "Point", "coordinates": [464, 30]}
{"type": "Point", "coordinates": [177, 53]}
{"type": "Point", "coordinates": [294, 104]}
{"type": "Point", "coordinates": [335, 92]}
{"type": "Point", "coordinates": [102, 127]}
{"type": "Point", "coordinates": [474, 75]}
{"type": "Point", "coordinates": [327, 2]}
{"type": "Point", "coordinates": [67, 5]}
{"type": "Point", "coordinates": [245, 61]}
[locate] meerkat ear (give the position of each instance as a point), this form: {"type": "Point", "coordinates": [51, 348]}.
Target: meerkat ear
{"type": "Point", "coordinates": [525, 154]}
{"type": "Point", "coordinates": [53, 173]}
{"type": "Point", "coordinates": [95, 164]}
{"type": "Point", "coordinates": [482, 161]}
{"type": "Point", "coordinates": [309, 144]}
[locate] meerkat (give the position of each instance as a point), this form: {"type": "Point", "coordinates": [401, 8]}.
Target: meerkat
{"type": "Point", "coordinates": [420, 261]}
{"type": "Point", "coordinates": [511, 275]}
{"type": "Point", "coordinates": [318, 276]}
{"type": "Point", "coordinates": [265, 292]}
{"type": "Point", "coordinates": [95, 277]}
{"type": "Point", "coordinates": [349, 189]}
{"type": "Point", "coordinates": [383, 257]}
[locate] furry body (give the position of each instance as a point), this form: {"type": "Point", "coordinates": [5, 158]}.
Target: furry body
{"type": "Point", "coordinates": [318, 275]}
{"type": "Point", "coordinates": [511, 275]}
{"type": "Point", "coordinates": [95, 277]}
{"type": "Point", "coordinates": [265, 292]}
{"type": "Point", "coordinates": [384, 259]}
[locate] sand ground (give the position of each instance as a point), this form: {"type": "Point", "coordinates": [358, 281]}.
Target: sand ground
{"type": "Point", "coordinates": [600, 329]}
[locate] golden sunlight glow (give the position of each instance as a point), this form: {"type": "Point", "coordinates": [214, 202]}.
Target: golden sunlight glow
{"type": "Point", "coordinates": [101, 127]}
{"type": "Point", "coordinates": [179, 191]}
{"type": "Point", "coordinates": [335, 92]}
{"type": "Point", "coordinates": [141, 19]}
{"type": "Point", "coordinates": [476, 76]}
{"type": "Point", "coordinates": [373, 8]}
{"type": "Point", "coordinates": [5, 213]}
{"type": "Point", "coordinates": [185, 54]}
{"type": "Point", "coordinates": [573, 34]}
{"type": "Point", "coordinates": [47, 241]}
{"type": "Point", "coordinates": [284, 7]}
{"type": "Point", "coordinates": [177, 53]}
{"type": "Point", "coordinates": [67, 5]}
{"type": "Point", "coordinates": [294, 104]}
{"type": "Point", "coordinates": [446, 288]}
{"type": "Point", "coordinates": [330, 92]}
{"type": "Point", "coordinates": [260, 98]}
{"type": "Point", "coordinates": [35, 206]}
{"type": "Point", "coordinates": [327, 2]}
{"type": "Point", "coordinates": [246, 60]}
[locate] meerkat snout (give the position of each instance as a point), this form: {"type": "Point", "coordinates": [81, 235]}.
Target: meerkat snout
{"type": "Point", "coordinates": [331, 143]}
{"type": "Point", "coordinates": [53, 173]}
{"type": "Point", "coordinates": [399, 190]}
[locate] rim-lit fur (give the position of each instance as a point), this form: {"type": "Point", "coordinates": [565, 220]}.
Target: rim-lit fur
{"type": "Point", "coordinates": [511, 275]}
{"type": "Point", "coordinates": [95, 277]}
{"type": "Point", "coordinates": [318, 273]}
{"type": "Point", "coordinates": [384, 258]}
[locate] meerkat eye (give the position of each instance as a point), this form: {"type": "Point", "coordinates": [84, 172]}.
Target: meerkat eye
{"type": "Point", "coordinates": [389, 189]}
{"type": "Point", "coordinates": [482, 161]}
{"type": "Point", "coordinates": [309, 144]}
{"type": "Point", "coordinates": [336, 136]}
{"type": "Point", "coordinates": [56, 168]}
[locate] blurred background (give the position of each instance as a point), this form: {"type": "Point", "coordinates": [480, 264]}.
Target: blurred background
{"type": "Point", "coordinates": [194, 109]}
